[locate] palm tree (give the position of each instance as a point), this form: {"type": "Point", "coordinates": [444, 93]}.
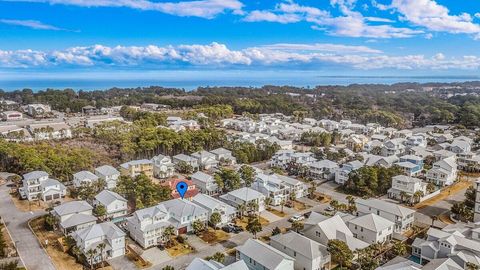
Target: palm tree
{"type": "Point", "coordinates": [418, 195]}
{"type": "Point", "coordinates": [91, 253]}
{"type": "Point", "coordinates": [241, 209]}
{"type": "Point", "coordinates": [167, 234]}
{"type": "Point", "coordinates": [268, 202]}
{"type": "Point", "coordinates": [403, 194]}
{"type": "Point", "coordinates": [102, 247]}
{"type": "Point", "coordinates": [282, 204]}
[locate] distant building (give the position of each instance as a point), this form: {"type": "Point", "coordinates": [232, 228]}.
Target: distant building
{"type": "Point", "coordinates": [38, 110]}
{"type": "Point", "coordinates": [11, 116]}
{"type": "Point", "coordinates": [49, 131]}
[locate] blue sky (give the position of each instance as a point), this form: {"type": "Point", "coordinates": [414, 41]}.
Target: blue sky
{"type": "Point", "coordinates": [333, 37]}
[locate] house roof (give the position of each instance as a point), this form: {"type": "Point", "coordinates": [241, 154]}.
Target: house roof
{"type": "Point", "coordinates": [154, 211]}
{"type": "Point", "coordinates": [246, 194]}
{"type": "Point", "coordinates": [221, 151]}
{"type": "Point", "coordinates": [263, 253]}
{"type": "Point", "coordinates": [388, 207]}
{"type": "Point", "coordinates": [178, 208]}
{"type": "Point", "coordinates": [324, 164]}
{"type": "Point", "coordinates": [406, 164]}
{"type": "Point", "coordinates": [107, 170]}
{"type": "Point", "coordinates": [51, 183]}
{"type": "Point", "coordinates": [407, 179]}
{"type": "Point", "coordinates": [372, 222]}
{"type": "Point", "coordinates": [400, 263]}
{"type": "Point", "coordinates": [34, 175]}
{"type": "Point", "coordinates": [203, 154]}
{"type": "Point", "coordinates": [211, 203]}
{"type": "Point", "coordinates": [77, 219]}
{"type": "Point", "coordinates": [202, 177]}
{"type": "Point", "coordinates": [106, 197]}
{"type": "Point", "coordinates": [201, 264]}
{"type": "Point", "coordinates": [83, 175]}
{"type": "Point", "coordinates": [442, 264]}
{"type": "Point", "coordinates": [184, 157]}
{"type": "Point", "coordinates": [72, 207]}
{"type": "Point", "coordinates": [135, 162]}
{"type": "Point", "coordinates": [301, 244]}
{"type": "Point", "coordinates": [107, 229]}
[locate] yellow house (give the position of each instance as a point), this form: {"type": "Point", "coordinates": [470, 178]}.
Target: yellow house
{"type": "Point", "coordinates": [136, 167]}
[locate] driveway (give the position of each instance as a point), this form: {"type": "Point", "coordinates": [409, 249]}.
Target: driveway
{"type": "Point", "coordinates": [31, 252]}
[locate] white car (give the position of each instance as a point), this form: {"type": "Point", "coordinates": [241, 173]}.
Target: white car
{"type": "Point", "coordinates": [296, 218]}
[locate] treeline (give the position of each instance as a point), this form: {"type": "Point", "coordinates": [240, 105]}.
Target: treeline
{"type": "Point", "coordinates": [59, 161]}
{"type": "Point", "coordinates": [389, 105]}
{"type": "Point", "coordinates": [371, 181]}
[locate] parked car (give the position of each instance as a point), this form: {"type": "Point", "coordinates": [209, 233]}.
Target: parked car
{"type": "Point", "coordinates": [329, 209]}
{"type": "Point", "coordinates": [296, 218]}
{"type": "Point", "coordinates": [232, 228]}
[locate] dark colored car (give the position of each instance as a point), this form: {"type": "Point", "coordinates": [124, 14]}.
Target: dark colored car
{"type": "Point", "coordinates": [232, 228]}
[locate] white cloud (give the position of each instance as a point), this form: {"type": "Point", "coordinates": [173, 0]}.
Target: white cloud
{"type": "Point", "coordinates": [219, 56]}
{"type": "Point", "coordinates": [435, 17]}
{"type": "Point", "coordinates": [31, 24]}
{"type": "Point", "coordinates": [351, 23]}
{"type": "Point", "coordinates": [199, 8]}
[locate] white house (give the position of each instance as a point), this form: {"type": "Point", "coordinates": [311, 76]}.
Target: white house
{"type": "Point", "coordinates": [115, 204]}
{"type": "Point", "coordinates": [213, 205]}
{"type": "Point", "coordinates": [183, 213]}
{"type": "Point", "coordinates": [271, 186]}
{"type": "Point", "coordinates": [409, 186]}
{"type": "Point", "coordinates": [46, 131]}
{"type": "Point", "coordinates": [323, 169]}
{"type": "Point", "coordinates": [244, 196]}
{"type": "Point", "coordinates": [74, 215]}
{"type": "Point", "coordinates": [393, 147]}
{"type": "Point", "coordinates": [308, 254]}
{"type": "Point", "coordinates": [402, 217]}
{"type": "Point", "coordinates": [104, 233]}
{"type": "Point", "coordinates": [459, 242]}
{"type": "Point", "coordinates": [341, 174]}
{"type": "Point", "coordinates": [260, 256]}
{"type": "Point", "coordinates": [187, 159]}
{"type": "Point", "coordinates": [443, 172]}
{"type": "Point", "coordinates": [224, 156]}
{"type": "Point", "coordinates": [108, 174]}
{"type": "Point", "coordinates": [322, 229]}
{"type": "Point", "coordinates": [163, 166]}
{"type": "Point", "coordinates": [206, 160]}
{"type": "Point", "coordinates": [147, 225]}
{"type": "Point", "coordinates": [83, 178]}
{"type": "Point", "coordinates": [37, 185]}
{"type": "Point", "coordinates": [205, 183]}
{"type": "Point", "coordinates": [371, 228]}
{"type": "Point", "coordinates": [201, 264]}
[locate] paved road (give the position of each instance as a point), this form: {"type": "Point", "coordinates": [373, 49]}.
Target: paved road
{"type": "Point", "coordinates": [32, 254]}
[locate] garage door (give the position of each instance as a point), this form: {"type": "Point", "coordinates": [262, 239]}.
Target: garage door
{"type": "Point", "coordinates": [48, 198]}
{"type": "Point", "coordinates": [182, 230]}
{"type": "Point", "coordinates": [56, 196]}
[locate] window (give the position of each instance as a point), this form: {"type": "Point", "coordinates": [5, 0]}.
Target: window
{"type": "Point", "coordinates": [294, 254]}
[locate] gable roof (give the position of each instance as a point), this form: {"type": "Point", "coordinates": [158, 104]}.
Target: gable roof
{"type": "Point", "coordinates": [387, 207]}
{"type": "Point", "coordinates": [301, 244]}
{"type": "Point", "coordinates": [106, 197]}
{"type": "Point", "coordinates": [34, 175]}
{"type": "Point", "coordinates": [263, 253]}
{"type": "Point", "coordinates": [246, 194]}
{"type": "Point", "coordinates": [202, 177]}
{"type": "Point", "coordinates": [107, 229]}
{"type": "Point", "coordinates": [178, 208]}
{"type": "Point", "coordinates": [107, 170]}
{"type": "Point", "coordinates": [372, 222]}
{"type": "Point", "coordinates": [82, 175]}
{"type": "Point", "coordinates": [72, 207]}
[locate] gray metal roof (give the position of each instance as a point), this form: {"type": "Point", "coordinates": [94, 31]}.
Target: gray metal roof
{"type": "Point", "coordinates": [77, 219]}
{"type": "Point", "coordinates": [107, 170]}
{"type": "Point", "coordinates": [387, 207]}
{"type": "Point", "coordinates": [263, 253]}
{"type": "Point", "coordinates": [34, 175]}
{"type": "Point", "coordinates": [72, 207]}
{"type": "Point", "coordinates": [301, 244]}
{"type": "Point", "coordinates": [107, 229]}
{"type": "Point", "coordinates": [82, 175]}
{"type": "Point", "coordinates": [106, 197]}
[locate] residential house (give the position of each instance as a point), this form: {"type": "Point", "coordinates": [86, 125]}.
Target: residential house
{"type": "Point", "coordinates": [443, 172]}
{"type": "Point", "coordinates": [49, 130]}
{"type": "Point", "coordinates": [271, 186]}
{"type": "Point", "coordinates": [147, 225]}
{"type": "Point", "coordinates": [374, 160]}
{"type": "Point", "coordinates": [356, 142]}
{"type": "Point", "coordinates": [260, 256]}
{"type": "Point", "coordinates": [406, 187]}
{"type": "Point", "coordinates": [417, 140]}
{"type": "Point", "coordinates": [411, 165]}
{"type": "Point", "coordinates": [38, 186]}
{"type": "Point", "coordinates": [115, 205]}
{"type": "Point", "coordinates": [205, 183]}
{"type": "Point", "coordinates": [308, 254]}
{"type": "Point", "coordinates": [191, 189]}
{"type": "Point", "coordinates": [371, 228]}
{"type": "Point", "coordinates": [163, 166]}
{"type": "Point", "coordinates": [105, 233]}
{"type": "Point", "coordinates": [460, 146]}
{"type": "Point", "coordinates": [187, 159]}
{"type": "Point", "coordinates": [393, 147]}
{"type": "Point", "coordinates": [206, 160]}
{"type": "Point", "coordinates": [293, 185]}
{"type": "Point", "coordinates": [73, 216]}
{"type": "Point", "coordinates": [84, 178]}
{"type": "Point", "coordinates": [459, 242]}
{"type": "Point", "coordinates": [443, 154]}
{"type": "Point", "coordinates": [477, 202]}
{"type": "Point", "coordinates": [108, 174]}
{"type": "Point", "coordinates": [402, 217]}
{"type": "Point", "coordinates": [201, 264]}
{"type": "Point", "coordinates": [212, 205]}
{"type": "Point", "coordinates": [341, 174]}
{"type": "Point", "coordinates": [224, 156]}
{"type": "Point", "coordinates": [136, 167]}
{"type": "Point", "coordinates": [183, 213]}
{"type": "Point", "coordinates": [323, 169]}
{"type": "Point", "coordinates": [245, 196]}
{"type": "Point", "coordinates": [322, 229]}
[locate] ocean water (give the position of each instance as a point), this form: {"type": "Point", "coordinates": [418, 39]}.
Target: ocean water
{"type": "Point", "coordinates": [191, 80]}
